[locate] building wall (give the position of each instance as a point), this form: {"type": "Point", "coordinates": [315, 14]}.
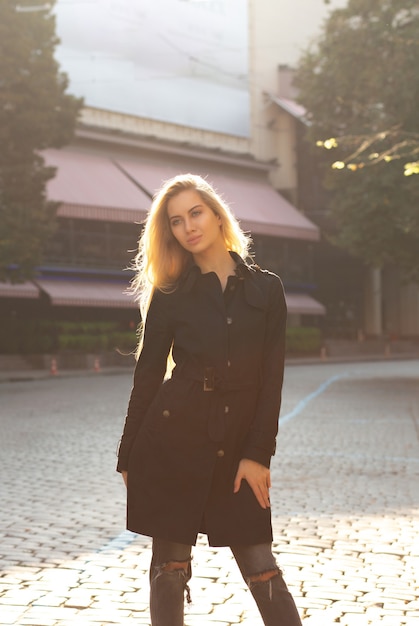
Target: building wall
{"type": "Point", "coordinates": [285, 177]}
{"type": "Point", "coordinates": [400, 306]}
{"type": "Point", "coordinates": [264, 18]}
{"type": "Point", "coordinates": [409, 310]}
{"type": "Point", "coordinates": [145, 127]}
{"type": "Point", "coordinates": [298, 24]}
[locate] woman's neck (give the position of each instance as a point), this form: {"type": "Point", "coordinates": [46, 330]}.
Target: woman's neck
{"type": "Point", "coordinates": [221, 263]}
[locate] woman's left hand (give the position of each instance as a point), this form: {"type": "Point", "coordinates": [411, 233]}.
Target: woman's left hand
{"type": "Point", "coordinates": [259, 478]}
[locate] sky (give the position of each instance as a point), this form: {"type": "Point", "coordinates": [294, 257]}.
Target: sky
{"type": "Point", "coordinates": [180, 61]}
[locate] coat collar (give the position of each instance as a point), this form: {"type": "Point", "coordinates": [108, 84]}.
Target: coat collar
{"type": "Point", "coordinates": [254, 295]}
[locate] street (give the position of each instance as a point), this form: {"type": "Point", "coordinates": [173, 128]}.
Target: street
{"type": "Point", "coordinates": [345, 504]}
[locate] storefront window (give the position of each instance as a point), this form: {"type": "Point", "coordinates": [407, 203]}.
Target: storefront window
{"type": "Point", "coordinates": [89, 243]}
{"type": "Point", "coordinates": [290, 258]}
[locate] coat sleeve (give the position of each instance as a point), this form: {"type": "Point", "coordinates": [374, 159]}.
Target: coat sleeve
{"type": "Point", "coordinates": [149, 373]}
{"type": "Point", "coordinates": [260, 443]}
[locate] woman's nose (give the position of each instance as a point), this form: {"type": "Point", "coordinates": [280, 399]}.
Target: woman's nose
{"type": "Point", "coordinates": [188, 225]}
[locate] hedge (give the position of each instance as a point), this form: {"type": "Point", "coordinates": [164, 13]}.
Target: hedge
{"type": "Point", "coordinates": [303, 340]}
{"type": "Point", "coordinates": [42, 337]}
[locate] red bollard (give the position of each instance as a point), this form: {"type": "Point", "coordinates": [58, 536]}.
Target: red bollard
{"type": "Point", "coordinates": [53, 369]}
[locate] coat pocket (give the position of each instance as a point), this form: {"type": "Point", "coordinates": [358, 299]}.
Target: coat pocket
{"type": "Point", "coordinates": [169, 404]}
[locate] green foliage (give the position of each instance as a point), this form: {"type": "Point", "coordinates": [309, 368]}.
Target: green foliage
{"type": "Point", "coordinates": [377, 217]}
{"type": "Point", "coordinates": [93, 337]}
{"type": "Point", "coordinates": [303, 340]}
{"type": "Point", "coordinates": [87, 328]}
{"type": "Point", "coordinates": [43, 337]}
{"type": "Point", "coordinates": [362, 82]}
{"type": "Point", "coordinates": [82, 343]}
{"type": "Point", "coordinates": [35, 113]}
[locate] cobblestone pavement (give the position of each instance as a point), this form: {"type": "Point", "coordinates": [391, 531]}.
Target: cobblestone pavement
{"type": "Point", "coordinates": [344, 502]}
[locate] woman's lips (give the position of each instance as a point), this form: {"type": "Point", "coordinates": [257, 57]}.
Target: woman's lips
{"type": "Point", "coordinates": [193, 240]}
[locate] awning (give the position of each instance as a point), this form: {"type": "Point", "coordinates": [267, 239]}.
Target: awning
{"type": "Point", "coordinates": [255, 202]}
{"type": "Point", "coordinates": [290, 106]}
{"type": "Point", "coordinates": [303, 304]}
{"type": "Point", "coordinates": [89, 186]}
{"type": "Point", "coordinates": [20, 290]}
{"type": "Point", "coordinates": [87, 293]}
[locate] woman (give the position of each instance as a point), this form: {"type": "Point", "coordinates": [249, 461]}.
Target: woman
{"type": "Point", "coordinates": [196, 449]}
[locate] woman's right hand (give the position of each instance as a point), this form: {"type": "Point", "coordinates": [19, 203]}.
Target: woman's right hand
{"type": "Point", "coordinates": [125, 477]}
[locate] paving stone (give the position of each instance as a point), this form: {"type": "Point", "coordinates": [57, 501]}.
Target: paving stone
{"type": "Point", "coordinates": [50, 600]}
{"type": "Point", "coordinates": [78, 602]}
{"type": "Point", "coordinates": [11, 614]}
{"type": "Point", "coordinates": [19, 597]}
{"type": "Point", "coordinates": [319, 618]}
{"type": "Point", "coordinates": [350, 619]}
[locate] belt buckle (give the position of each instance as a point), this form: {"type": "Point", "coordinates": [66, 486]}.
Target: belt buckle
{"type": "Point", "coordinates": [209, 379]}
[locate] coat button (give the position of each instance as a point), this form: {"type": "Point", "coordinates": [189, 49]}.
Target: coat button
{"type": "Point", "coordinates": [166, 413]}
{"type": "Point", "coordinates": [220, 453]}
{"type": "Point", "coordinates": [228, 363]}
{"type": "Point", "coordinates": [226, 408]}
{"type": "Point", "coordinates": [229, 320]}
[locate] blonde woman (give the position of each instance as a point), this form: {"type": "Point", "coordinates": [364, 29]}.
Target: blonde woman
{"type": "Point", "coordinates": [197, 443]}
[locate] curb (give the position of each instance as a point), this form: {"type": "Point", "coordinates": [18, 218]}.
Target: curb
{"type": "Point", "coordinates": [33, 375]}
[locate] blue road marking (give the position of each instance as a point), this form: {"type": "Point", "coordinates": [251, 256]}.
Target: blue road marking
{"type": "Point", "coordinates": [303, 403]}
{"type": "Point", "coordinates": [120, 542]}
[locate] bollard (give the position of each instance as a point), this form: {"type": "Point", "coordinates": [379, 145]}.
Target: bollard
{"type": "Point", "coordinates": [53, 369]}
{"type": "Point", "coordinates": [323, 353]}
{"type": "Point", "coordinates": [97, 365]}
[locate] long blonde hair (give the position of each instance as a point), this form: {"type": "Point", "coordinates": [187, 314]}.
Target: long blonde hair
{"type": "Point", "coordinates": [160, 259]}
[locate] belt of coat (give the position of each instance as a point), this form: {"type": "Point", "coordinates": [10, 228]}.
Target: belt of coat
{"type": "Point", "coordinates": [212, 382]}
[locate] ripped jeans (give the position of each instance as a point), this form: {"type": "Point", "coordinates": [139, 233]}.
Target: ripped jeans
{"type": "Point", "coordinates": [171, 570]}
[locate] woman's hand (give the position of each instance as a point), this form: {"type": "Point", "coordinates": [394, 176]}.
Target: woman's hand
{"type": "Point", "coordinates": [259, 478]}
{"type": "Point", "coordinates": [125, 477]}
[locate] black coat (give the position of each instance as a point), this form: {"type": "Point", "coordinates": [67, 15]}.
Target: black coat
{"type": "Point", "coordinates": [183, 438]}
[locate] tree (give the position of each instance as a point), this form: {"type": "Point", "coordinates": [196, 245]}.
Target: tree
{"type": "Point", "coordinates": [35, 113]}
{"type": "Point", "coordinates": [360, 86]}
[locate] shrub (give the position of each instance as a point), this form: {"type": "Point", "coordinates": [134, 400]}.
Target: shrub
{"type": "Point", "coordinates": [303, 340]}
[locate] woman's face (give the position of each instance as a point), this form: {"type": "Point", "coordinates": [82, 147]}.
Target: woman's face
{"type": "Point", "coordinates": [193, 223]}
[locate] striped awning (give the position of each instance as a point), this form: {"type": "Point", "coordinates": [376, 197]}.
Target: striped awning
{"type": "Point", "coordinates": [91, 186]}
{"type": "Point", "coordinates": [303, 304]}
{"type": "Point", "coordinates": [88, 293]}
{"type": "Point", "coordinates": [19, 290]}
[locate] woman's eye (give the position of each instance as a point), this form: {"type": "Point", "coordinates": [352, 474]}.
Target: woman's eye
{"type": "Point", "coordinates": [175, 222]}
{"type": "Point", "coordinates": [196, 213]}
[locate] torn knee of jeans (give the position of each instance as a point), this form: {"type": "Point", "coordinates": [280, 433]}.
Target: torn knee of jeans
{"type": "Point", "coordinates": [263, 577]}
{"type": "Point", "coordinates": [264, 580]}
{"type": "Point", "coordinates": [175, 566]}
{"type": "Point", "coordinates": [180, 568]}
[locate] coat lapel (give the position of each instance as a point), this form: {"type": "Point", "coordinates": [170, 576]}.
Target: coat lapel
{"type": "Point", "coordinates": [255, 296]}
